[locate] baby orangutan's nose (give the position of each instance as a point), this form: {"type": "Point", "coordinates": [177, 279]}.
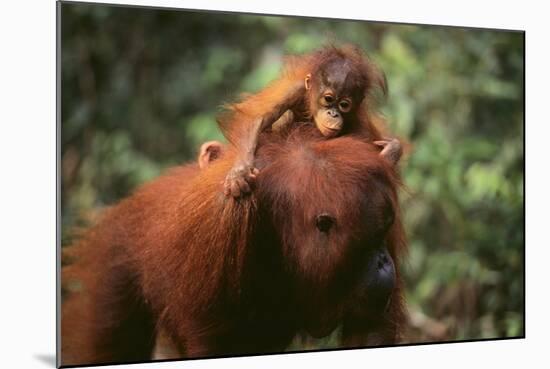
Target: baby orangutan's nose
{"type": "Point", "coordinates": [333, 113]}
{"type": "Point", "coordinates": [324, 222]}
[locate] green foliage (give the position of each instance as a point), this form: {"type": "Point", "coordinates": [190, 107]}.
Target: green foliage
{"type": "Point", "coordinates": [141, 90]}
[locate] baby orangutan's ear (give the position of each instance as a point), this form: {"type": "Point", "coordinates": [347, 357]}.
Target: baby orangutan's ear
{"type": "Point", "coordinates": [307, 81]}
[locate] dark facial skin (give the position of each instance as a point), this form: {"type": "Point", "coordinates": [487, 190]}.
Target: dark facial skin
{"type": "Point", "coordinates": [379, 279]}
{"type": "Point", "coordinates": [333, 96]}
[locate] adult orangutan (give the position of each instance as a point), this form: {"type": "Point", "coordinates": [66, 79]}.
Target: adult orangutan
{"type": "Point", "coordinates": [316, 245]}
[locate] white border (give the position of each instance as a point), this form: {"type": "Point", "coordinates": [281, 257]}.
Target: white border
{"type": "Point", "coordinates": [27, 185]}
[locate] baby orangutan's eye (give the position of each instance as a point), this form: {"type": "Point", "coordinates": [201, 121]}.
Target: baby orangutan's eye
{"type": "Point", "coordinates": [345, 106]}
{"type": "Point", "coordinates": [329, 99]}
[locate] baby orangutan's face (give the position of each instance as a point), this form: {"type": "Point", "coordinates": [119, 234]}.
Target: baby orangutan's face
{"type": "Point", "coordinates": [331, 95]}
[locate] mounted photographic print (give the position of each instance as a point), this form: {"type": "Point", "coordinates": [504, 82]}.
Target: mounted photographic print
{"type": "Point", "coordinates": [242, 184]}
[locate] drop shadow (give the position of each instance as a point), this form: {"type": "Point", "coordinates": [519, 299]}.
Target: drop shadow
{"type": "Point", "coordinates": [47, 359]}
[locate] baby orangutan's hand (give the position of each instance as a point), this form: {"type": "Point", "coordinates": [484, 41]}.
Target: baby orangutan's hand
{"type": "Point", "coordinates": [240, 179]}
{"type": "Point", "coordinates": [391, 149]}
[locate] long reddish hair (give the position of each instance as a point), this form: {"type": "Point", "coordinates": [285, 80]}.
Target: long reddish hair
{"type": "Point", "coordinates": [237, 118]}
{"type": "Point", "coordinates": [181, 251]}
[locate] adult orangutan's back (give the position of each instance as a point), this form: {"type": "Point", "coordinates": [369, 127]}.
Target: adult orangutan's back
{"type": "Point", "coordinates": [319, 237]}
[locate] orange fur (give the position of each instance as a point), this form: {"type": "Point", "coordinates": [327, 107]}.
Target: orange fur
{"type": "Point", "coordinates": [222, 276]}
{"type": "Point", "coordinates": [236, 121]}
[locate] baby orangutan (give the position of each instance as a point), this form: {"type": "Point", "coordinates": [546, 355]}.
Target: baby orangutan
{"type": "Point", "coordinates": [330, 88]}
